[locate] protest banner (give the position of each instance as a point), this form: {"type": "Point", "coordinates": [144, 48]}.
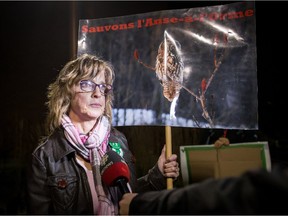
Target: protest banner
{"type": "Point", "coordinates": [192, 67]}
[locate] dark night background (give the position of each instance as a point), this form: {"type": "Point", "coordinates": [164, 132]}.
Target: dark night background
{"type": "Point", "coordinates": [38, 38]}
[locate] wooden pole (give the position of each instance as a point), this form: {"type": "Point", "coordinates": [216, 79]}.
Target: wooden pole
{"type": "Point", "coordinates": [168, 152]}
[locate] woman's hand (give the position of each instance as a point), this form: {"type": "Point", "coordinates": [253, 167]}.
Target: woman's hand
{"type": "Point", "coordinates": [169, 167]}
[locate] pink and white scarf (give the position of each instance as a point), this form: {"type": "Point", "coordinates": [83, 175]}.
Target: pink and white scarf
{"type": "Point", "coordinates": [92, 150]}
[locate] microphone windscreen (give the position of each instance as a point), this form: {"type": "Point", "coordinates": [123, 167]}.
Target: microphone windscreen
{"type": "Point", "coordinates": [113, 167]}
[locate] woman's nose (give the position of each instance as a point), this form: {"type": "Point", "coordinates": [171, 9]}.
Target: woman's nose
{"type": "Point", "coordinates": [97, 92]}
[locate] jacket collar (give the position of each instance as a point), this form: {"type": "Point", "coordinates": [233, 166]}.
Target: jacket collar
{"type": "Point", "coordinates": [64, 148]}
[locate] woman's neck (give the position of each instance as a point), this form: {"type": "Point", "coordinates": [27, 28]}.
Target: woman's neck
{"type": "Point", "coordinates": [83, 127]}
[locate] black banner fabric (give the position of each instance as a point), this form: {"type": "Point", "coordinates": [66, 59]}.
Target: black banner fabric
{"type": "Point", "coordinates": [191, 67]}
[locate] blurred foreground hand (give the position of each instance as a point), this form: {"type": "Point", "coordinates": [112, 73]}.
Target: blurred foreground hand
{"type": "Point", "coordinates": [124, 203]}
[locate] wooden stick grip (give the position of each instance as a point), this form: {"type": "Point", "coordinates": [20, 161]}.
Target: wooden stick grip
{"type": "Point", "coordinates": [168, 152]}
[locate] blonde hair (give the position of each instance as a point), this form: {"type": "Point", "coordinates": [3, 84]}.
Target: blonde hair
{"type": "Point", "coordinates": [60, 92]}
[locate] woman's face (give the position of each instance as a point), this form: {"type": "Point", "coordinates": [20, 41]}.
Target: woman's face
{"type": "Point", "coordinates": [88, 106]}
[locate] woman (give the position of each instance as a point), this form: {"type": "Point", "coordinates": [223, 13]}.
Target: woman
{"type": "Point", "coordinates": [64, 177]}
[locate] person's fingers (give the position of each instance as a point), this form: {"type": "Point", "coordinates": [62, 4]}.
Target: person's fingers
{"type": "Point", "coordinates": [172, 172]}
{"type": "Point", "coordinates": [172, 157]}
{"type": "Point", "coordinates": [221, 141]}
{"type": "Point", "coordinates": [224, 140]}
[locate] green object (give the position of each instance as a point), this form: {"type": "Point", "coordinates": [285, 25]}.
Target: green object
{"type": "Point", "coordinates": [116, 147]}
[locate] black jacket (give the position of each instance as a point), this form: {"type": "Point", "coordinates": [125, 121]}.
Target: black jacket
{"type": "Point", "coordinates": [254, 192]}
{"type": "Point", "coordinates": [57, 184]}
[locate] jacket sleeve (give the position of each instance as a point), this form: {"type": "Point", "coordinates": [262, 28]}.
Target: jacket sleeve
{"type": "Point", "coordinates": [153, 180]}
{"type": "Point", "coordinates": [255, 192]}
{"type": "Point", "coordinates": [37, 191]}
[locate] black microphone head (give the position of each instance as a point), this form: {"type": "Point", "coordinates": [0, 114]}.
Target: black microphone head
{"type": "Point", "coordinates": [113, 167]}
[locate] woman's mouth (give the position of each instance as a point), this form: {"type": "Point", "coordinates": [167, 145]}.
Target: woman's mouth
{"type": "Point", "coordinates": [95, 105]}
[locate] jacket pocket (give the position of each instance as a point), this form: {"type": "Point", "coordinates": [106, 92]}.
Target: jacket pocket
{"type": "Point", "coordinates": [63, 190]}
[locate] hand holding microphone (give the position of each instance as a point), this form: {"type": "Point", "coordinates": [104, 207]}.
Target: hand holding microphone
{"type": "Point", "coordinates": [115, 172]}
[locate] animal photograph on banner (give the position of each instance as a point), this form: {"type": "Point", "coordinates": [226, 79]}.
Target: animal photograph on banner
{"type": "Point", "coordinates": [193, 67]}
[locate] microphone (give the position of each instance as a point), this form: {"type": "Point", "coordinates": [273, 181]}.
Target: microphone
{"type": "Point", "coordinates": [115, 171]}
